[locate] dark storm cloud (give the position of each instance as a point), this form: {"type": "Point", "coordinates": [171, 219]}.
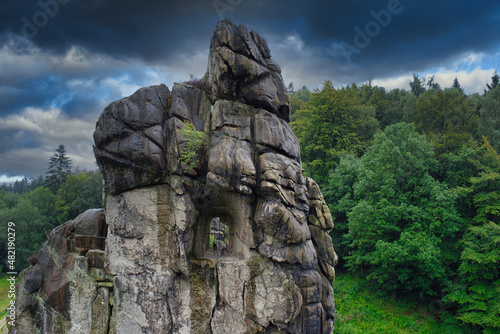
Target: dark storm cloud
{"type": "Point", "coordinates": [422, 33]}
{"type": "Point", "coordinates": [40, 92]}
{"type": "Point", "coordinates": [143, 29]}
{"type": "Point", "coordinates": [63, 61]}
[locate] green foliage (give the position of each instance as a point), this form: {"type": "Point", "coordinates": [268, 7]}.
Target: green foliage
{"type": "Point", "coordinates": [31, 224]}
{"type": "Point", "coordinates": [341, 198]}
{"type": "Point", "coordinates": [389, 106]}
{"type": "Point", "coordinates": [78, 194]}
{"type": "Point", "coordinates": [457, 87]}
{"type": "Point", "coordinates": [4, 292]}
{"type": "Point", "coordinates": [194, 141]}
{"type": "Point", "coordinates": [37, 212]}
{"type": "Point", "coordinates": [363, 310]}
{"type": "Point", "coordinates": [495, 81]}
{"type": "Point", "coordinates": [59, 169]}
{"type": "Point", "coordinates": [489, 123]}
{"type": "Point", "coordinates": [475, 173]}
{"type": "Point", "coordinates": [478, 290]}
{"type": "Point", "coordinates": [447, 117]}
{"type": "Point", "coordinates": [43, 199]}
{"type": "Point", "coordinates": [417, 87]}
{"type": "Point", "coordinates": [298, 99]}
{"type": "Point", "coordinates": [399, 227]}
{"type": "Point", "coordinates": [432, 84]}
{"type": "Point", "coordinates": [442, 111]}
{"type": "Point", "coordinates": [404, 203]}
{"type": "Point", "coordinates": [8, 199]}
{"type": "Point", "coordinates": [333, 123]}
{"type": "Point", "coordinates": [486, 198]}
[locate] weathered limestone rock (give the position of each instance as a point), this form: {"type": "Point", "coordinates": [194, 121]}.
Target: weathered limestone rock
{"type": "Point", "coordinates": [130, 142]}
{"type": "Point", "coordinates": [57, 294]}
{"type": "Point", "coordinates": [240, 68]}
{"type": "Point", "coordinates": [238, 243]}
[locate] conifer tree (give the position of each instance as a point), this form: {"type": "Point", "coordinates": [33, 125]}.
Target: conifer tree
{"type": "Point", "coordinates": [456, 85]}
{"type": "Point", "coordinates": [495, 81]}
{"type": "Point", "coordinates": [59, 168]}
{"type": "Point", "coordinates": [416, 85]}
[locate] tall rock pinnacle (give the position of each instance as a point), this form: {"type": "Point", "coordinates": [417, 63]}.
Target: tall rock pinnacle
{"type": "Point", "coordinates": [240, 68]}
{"type": "Point", "coordinates": [235, 242]}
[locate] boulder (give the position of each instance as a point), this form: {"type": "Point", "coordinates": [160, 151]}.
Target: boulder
{"type": "Point", "coordinates": [129, 140]}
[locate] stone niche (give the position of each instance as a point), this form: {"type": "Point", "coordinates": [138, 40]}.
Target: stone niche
{"type": "Point", "coordinates": [239, 243]}
{"type": "Point", "coordinates": [223, 229]}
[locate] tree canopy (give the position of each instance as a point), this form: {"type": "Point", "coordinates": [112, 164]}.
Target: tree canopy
{"type": "Point", "coordinates": [412, 179]}
{"type": "Point", "coordinates": [399, 227]}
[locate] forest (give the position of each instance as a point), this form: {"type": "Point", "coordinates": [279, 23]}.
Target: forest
{"type": "Point", "coordinates": [38, 205]}
{"type": "Point", "coordinates": [412, 180]}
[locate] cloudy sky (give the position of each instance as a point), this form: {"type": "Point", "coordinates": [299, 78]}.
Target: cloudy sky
{"type": "Point", "coordinates": [63, 61]}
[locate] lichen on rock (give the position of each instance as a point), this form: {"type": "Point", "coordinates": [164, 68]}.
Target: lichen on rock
{"type": "Point", "coordinates": [152, 262]}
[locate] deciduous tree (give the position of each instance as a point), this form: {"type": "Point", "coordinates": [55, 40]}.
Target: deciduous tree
{"type": "Point", "coordinates": [332, 124]}
{"type": "Point", "coordinates": [489, 119]}
{"type": "Point", "coordinates": [401, 231]}
{"type": "Point", "coordinates": [78, 194]}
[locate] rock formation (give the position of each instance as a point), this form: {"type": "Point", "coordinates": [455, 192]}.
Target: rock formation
{"type": "Point", "coordinates": [237, 244]}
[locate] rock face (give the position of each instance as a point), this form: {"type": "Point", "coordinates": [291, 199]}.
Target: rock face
{"type": "Point", "coordinates": [237, 244]}
{"type": "Point", "coordinates": [240, 68]}
{"type": "Point", "coordinates": [67, 290]}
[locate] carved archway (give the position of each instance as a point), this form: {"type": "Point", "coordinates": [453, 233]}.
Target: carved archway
{"type": "Point", "coordinates": [220, 236]}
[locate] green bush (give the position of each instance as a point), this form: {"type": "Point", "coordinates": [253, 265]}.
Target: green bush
{"type": "Point", "coordinates": [194, 141]}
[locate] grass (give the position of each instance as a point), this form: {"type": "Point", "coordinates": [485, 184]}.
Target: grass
{"type": "Point", "coordinates": [4, 292]}
{"type": "Point", "coordinates": [4, 298]}
{"type": "Point", "coordinates": [360, 310]}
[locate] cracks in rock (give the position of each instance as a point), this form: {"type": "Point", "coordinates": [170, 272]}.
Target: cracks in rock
{"type": "Point", "coordinates": [243, 294]}
{"type": "Point", "coordinates": [110, 314]}
{"type": "Point", "coordinates": [248, 55]}
{"type": "Point", "coordinates": [260, 104]}
{"type": "Point", "coordinates": [228, 125]}
{"type": "Point", "coordinates": [160, 146]}
{"type": "Point", "coordinates": [179, 117]}
{"type": "Point", "coordinates": [217, 296]}
{"type": "Point", "coordinates": [169, 309]}
{"type": "Point", "coordinates": [130, 126]}
{"type": "Point", "coordinates": [283, 186]}
{"type": "Point", "coordinates": [242, 84]}
{"type": "Point", "coordinates": [126, 161]}
{"type": "Point", "coordinates": [227, 135]}
{"type": "Point", "coordinates": [255, 79]}
{"type": "Point", "coordinates": [166, 107]}
{"type": "Point", "coordinates": [278, 150]}
{"type": "Point", "coordinates": [226, 62]}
